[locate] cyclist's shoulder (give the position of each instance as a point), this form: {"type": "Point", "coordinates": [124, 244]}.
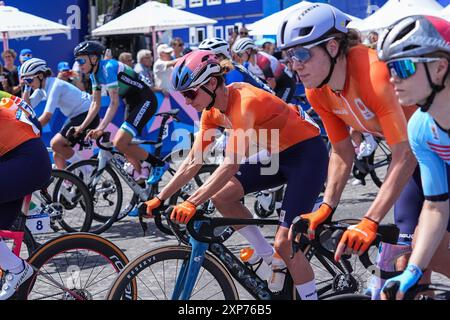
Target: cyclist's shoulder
{"type": "Point", "coordinates": [363, 62]}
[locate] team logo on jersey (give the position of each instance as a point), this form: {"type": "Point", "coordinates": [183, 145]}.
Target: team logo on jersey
{"type": "Point", "coordinates": [434, 131]}
{"type": "Point", "coordinates": [365, 112]}
{"type": "Point", "coordinates": [340, 111]}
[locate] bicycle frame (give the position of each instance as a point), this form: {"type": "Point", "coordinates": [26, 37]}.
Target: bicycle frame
{"type": "Point", "coordinates": [18, 236]}
{"type": "Point", "coordinates": [246, 277]}
{"type": "Point", "coordinates": [116, 159]}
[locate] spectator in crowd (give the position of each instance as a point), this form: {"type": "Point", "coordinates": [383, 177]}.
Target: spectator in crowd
{"type": "Point", "coordinates": [126, 58]}
{"type": "Point", "coordinates": [143, 66]}
{"type": "Point", "coordinates": [372, 39]}
{"type": "Point", "coordinates": [25, 54]}
{"type": "Point", "coordinates": [177, 45]}
{"type": "Point", "coordinates": [243, 32]}
{"type": "Point", "coordinates": [162, 69]}
{"type": "Point", "coordinates": [65, 73]}
{"type": "Point", "coordinates": [269, 47]}
{"type": "Point", "coordinates": [4, 85]}
{"type": "Point", "coordinates": [11, 71]}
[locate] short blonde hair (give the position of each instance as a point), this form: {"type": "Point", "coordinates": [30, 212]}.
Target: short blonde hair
{"type": "Point", "coordinates": [142, 53]}
{"type": "Point", "coordinates": [11, 52]}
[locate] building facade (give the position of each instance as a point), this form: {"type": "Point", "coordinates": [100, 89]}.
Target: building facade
{"type": "Point", "coordinates": [231, 13]}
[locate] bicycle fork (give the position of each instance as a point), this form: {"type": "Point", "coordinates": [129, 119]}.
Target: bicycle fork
{"type": "Point", "coordinates": [189, 270]}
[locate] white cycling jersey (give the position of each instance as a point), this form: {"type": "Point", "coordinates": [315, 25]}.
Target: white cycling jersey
{"type": "Point", "coordinates": [63, 95]}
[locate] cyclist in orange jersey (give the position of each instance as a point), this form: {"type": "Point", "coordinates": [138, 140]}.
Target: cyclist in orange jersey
{"type": "Point", "coordinates": [251, 116]}
{"type": "Point", "coordinates": [24, 168]}
{"type": "Point", "coordinates": [348, 86]}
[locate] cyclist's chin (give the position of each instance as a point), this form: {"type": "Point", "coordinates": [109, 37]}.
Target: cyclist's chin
{"type": "Point", "coordinates": [406, 99]}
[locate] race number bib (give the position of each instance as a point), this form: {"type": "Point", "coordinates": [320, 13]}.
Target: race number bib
{"type": "Point", "coordinates": [39, 223]}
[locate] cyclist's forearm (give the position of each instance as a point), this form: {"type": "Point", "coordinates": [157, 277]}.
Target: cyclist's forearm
{"type": "Point", "coordinates": [223, 174]}
{"type": "Point", "coordinates": [430, 232]}
{"type": "Point", "coordinates": [400, 171]}
{"type": "Point", "coordinates": [93, 111]}
{"type": "Point", "coordinates": [339, 169]}
{"type": "Point", "coordinates": [109, 115]}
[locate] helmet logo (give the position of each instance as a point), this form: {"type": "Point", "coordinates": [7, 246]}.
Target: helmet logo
{"type": "Point", "coordinates": [305, 12]}
{"type": "Point", "coordinates": [432, 42]}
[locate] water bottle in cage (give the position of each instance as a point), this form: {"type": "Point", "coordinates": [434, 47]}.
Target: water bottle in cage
{"type": "Point", "coordinates": [256, 263]}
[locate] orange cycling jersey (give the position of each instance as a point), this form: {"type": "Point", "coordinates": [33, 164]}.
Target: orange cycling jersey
{"type": "Point", "coordinates": [15, 128]}
{"type": "Point", "coordinates": [367, 102]}
{"type": "Point", "coordinates": [252, 108]}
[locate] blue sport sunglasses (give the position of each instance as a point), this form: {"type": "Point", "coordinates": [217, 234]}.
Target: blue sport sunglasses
{"type": "Point", "coordinates": [80, 61]}
{"type": "Point", "coordinates": [303, 53]}
{"type": "Point", "coordinates": [405, 68]}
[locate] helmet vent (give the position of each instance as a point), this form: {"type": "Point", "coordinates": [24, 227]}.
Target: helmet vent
{"type": "Point", "coordinates": [283, 28]}
{"type": "Point", "coordinates": [305, 31]}
{"type": "Point", "coordinates": [405, 31]}
{"type": "Point", "coordinates": [185, 78]}
{"type": "Point", "coordinates": [411, 47]}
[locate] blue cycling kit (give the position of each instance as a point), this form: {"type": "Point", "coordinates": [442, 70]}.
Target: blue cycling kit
{"type": "Point", "coordinates": [241, 74]}
{"type": "Point", "coordinates": [408, 278]}
{"type": "Point", "coordinates": [141, 103]}
{"type": "Point", "coordinates": [431, 146]}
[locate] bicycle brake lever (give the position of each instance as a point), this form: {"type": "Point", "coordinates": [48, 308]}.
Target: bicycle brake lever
{"type": "Point", "coordinates": [299, 226]}
{"type": "Point", "coordinates": [142, 210]}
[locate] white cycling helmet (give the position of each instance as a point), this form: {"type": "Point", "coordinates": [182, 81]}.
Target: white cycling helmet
{"type": "Point", "coordinates": [216, 45]}
{"type": "Point", "coordinates": [311, 23]}
{"type": "Point", "coordinates": [243, 44]}
{"type": "Point", "coordinates": [32, 67]}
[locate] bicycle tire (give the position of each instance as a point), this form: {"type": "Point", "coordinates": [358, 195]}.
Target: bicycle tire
{"type": "Point", "coordinates": [148, 259]}
{"type": "Point", "coordinates": [386, 157]}
{"type": "Point", "coordinates": [106, 221]}
{"type": "Point", "coordinates": [76, 241]}
{"type": "Point", "coordinates": [85, 203]}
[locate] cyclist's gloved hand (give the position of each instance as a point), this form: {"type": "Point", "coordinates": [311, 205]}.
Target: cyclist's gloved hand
{"type": "Point", "coordinates": [316, 218]}
{"type": "Point", "coordinates": [152, 204]}
{"type": "Point", "coordinates": [407, 279]}
{"type": "Point", "coordinates": [357, 238]}
{"type": "Point", "coordinates": [183, 212]}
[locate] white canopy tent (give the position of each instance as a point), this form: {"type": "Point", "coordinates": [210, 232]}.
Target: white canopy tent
{"type": "Point", "coordinates": [150, 17]}
{"type": "Point", "coordinates": [394, 10]}
{"type": "Point", "coordinates": [269, 25]}
{"type": "Point", "coordinates": [445, 13]}
{"type": "Point", "coordinates": [17, 24]}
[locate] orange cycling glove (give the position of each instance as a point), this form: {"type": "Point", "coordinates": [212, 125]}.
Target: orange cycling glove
{"type": "Point", "coordinates": [183, 212]}
{"type": "Point", "coordinates": [358, 237]}
{"type": "Point", "coordinates": [316, 218]}
{"type": "Point", "coordinates": [152, 204]}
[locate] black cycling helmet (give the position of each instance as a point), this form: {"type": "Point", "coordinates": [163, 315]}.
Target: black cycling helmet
{"type": "Point", "coordinates": [90, 48]}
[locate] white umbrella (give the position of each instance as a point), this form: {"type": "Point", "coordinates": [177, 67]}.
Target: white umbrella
{"type": "Point", "coordinates": [269, 25]}
{"type": "Point", "coordinates": [394, 10]}
{"type": "Point", "coordinates": [150, 17]}
{"type": "Point", "coordinates": [17, 24]}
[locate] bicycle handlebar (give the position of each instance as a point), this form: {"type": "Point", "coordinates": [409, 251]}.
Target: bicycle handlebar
{"type": "Point", "coordinates": [80, 139]}
{"type": "Point", "coordinates": [386, 233]}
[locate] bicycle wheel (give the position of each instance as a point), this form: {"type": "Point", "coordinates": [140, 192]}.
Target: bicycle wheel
{"type": "Point", "coordinates": [380, 160]}
{"type": "Point", "coordinates": [156, 271]}
{"type": "Point", "coordinates": [107, 193]}
{"type": "Point", "coordinates": [349, 296]}
{"type": "Point", "coordinates": [71, 201]}
{"type": "Point", "coordinates": [74, 266]}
